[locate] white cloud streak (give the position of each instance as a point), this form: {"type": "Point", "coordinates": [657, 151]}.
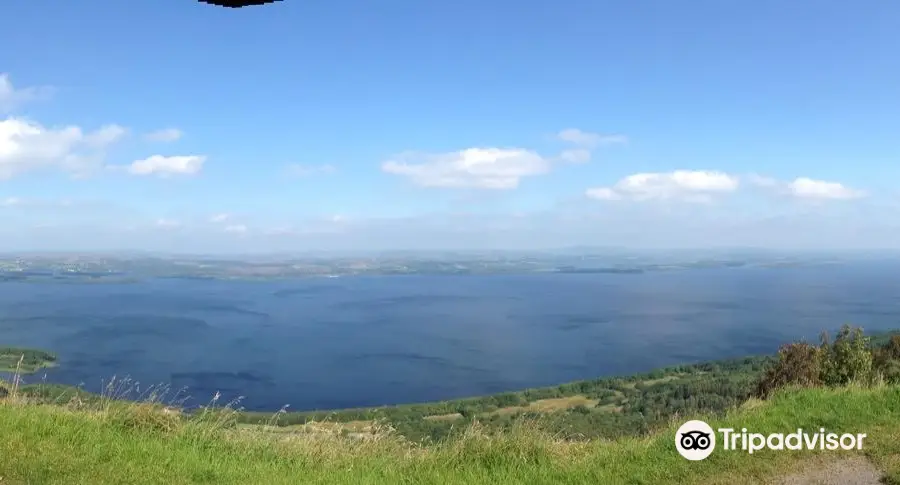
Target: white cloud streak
{"type": "Point", "coordinates": [685, 185]}
{"type": "Point", "coordinates": [166, 166]}
{"type": "Point", "coordinates": [483, 168]}
{"type": "Point", "coordinates": [26, 146]}
{"type": "Point", "coordinates": [703, 186]}
{"type": "Point", "coordinates": [590, 140]}
{"type": "Point", "coordinates": [493, 168]}
{"type": "Point", "coordinates": [165, 135]}
{"type": "Point", "coordinates": [12, 98]}
{"type": "Point", "coordinates": [807, 188]}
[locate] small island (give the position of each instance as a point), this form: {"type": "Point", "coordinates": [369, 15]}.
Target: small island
{"type": "Point", "coordinates": [32, 360]}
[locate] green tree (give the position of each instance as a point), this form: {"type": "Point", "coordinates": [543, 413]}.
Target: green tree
{"type": "Point", "coordinates": [848, 359]}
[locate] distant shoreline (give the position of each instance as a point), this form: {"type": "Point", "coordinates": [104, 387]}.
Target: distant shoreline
{"type": "Point", "coordinates": [132, 278]}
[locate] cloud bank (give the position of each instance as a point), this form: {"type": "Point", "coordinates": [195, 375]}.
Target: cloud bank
{"type": "Point", "coordinates": [707, 185]}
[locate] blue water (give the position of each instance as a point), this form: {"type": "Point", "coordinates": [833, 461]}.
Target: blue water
{"type": "Point", "coordinates": [361, 341]}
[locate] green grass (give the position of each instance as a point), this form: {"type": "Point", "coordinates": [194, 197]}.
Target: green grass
{"type": "Point", "coordinates": [129, 443]}
{"type": "Point", "coordinates": [607, 431]}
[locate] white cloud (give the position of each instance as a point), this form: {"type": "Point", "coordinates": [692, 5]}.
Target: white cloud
{"type": "Point", "coordinates": [164, 166]}
{"type": "Point", "coordinates": [586, 139]}
{"type": "Point", "coordinates": [301, 170]}
{"type": "Point", "coordinates": [762, 181]}
{"type": "Point", "coordinates": [575, 156]}
{"type": "Point", "coordinates": [167, 224]}
{"type": "Point", "coordinates": [686, 185]}
{"type": "Point", "coordinates": [493, 167]}
{"type": "Point", "coordinates": [808, 188]}
{"type": "Point", "coordinates": [603, 193]}
{"type": "Point", "coordinates": [484, 168]}
{"type": "Point", "coordinates": [105, 136]}
{"type": "Point", "coordinates": [586, 142]}
{"type": "Point", "coordinates": [26, 145]}
{"type": "Point", "coordinates": [236, 228]}
{"type": "Point", "coordinates": [165, 135]}
{"type": "Point", "coordinates": [11, 98]}
{"type": "Point", "coordinates": [220, 217]}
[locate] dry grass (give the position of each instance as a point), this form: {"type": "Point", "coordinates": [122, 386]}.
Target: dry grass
{"type": "Point", "coordinates": [549, 405]}
{"type": "Point", "coordinates": [444, 417]}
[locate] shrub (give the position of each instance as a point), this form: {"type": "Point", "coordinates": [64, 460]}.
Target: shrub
{"type": "Point", "coordinates": [798, 364]}
{"type": "Point", "coordinates": [886, 360]}
{"type": "Point", "coordinates": [581, 409]}
{"type": "Point", "coordinates": [467, 411]}
{"type": "Point", "coordinates": [848, 359]}
{"type": "Point", "coordinates": [890, 371]}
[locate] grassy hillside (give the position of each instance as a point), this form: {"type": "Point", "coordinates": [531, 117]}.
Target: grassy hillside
{"type": "Point", "coordinates": [608, 431]}
{"type": "Point", "coordinates": [130, 444]}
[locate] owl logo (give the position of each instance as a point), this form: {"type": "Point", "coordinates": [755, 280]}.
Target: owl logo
{"type": "Point", "coordinates": [695, 440]}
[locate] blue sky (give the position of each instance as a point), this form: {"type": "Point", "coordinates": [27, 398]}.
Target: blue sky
{"type": "Point", "coordinates": [179, 126]}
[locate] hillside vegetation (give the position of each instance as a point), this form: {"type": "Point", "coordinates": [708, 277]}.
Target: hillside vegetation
{"type": "Point", "coordinates": [608, 407]}
{"type": "Point", "coordinates": [846, 385]}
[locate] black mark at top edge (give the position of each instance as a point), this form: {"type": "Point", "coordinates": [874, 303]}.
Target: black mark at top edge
{"type": "Point", "coordinates": [237, 3]}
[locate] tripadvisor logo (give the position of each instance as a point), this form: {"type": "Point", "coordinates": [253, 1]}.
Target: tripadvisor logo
{"type": "Point", "coordinates": [696, 440]}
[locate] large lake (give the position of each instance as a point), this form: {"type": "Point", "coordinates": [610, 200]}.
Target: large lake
{"type": "Point", "coordinates": [361, 341]}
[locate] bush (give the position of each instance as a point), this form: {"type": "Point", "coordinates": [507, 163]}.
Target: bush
{"type": "Point", "coordinates": [798, 364]}
{"type": "Point", "coordinates": [890, 371]}
{"type": "Point", "coordinates": [848, 359]}
{"type": "Point", "coordinates": [886, 360]}
{"type": "Point", "coordinates": [581, 409]}
{"type": "Point", "coordinates": [892, 347]}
